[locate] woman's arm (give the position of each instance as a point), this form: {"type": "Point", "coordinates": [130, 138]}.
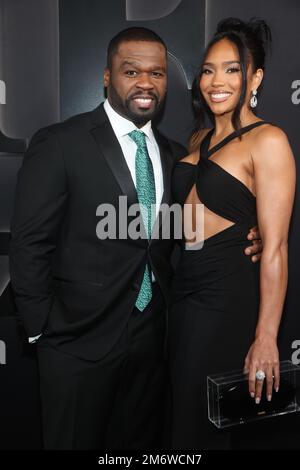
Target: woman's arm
{"type": "Point", "coordinates": [274, 172]}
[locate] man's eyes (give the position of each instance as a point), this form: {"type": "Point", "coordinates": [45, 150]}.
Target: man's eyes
{"type": "Point", "coordinates": [134, 73]}
{"type": "Point", "coordinates": [131, 73]}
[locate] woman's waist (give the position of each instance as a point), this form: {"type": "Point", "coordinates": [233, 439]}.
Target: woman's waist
{"type": "Point", "coordinates": [232, 236]}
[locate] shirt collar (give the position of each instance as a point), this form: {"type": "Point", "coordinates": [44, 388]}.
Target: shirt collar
{"type": "Point", "coordinates": [123, 126]}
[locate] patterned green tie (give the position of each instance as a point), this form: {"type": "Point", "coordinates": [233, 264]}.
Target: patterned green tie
{"type": "Point", "coordinates": [145, 187]}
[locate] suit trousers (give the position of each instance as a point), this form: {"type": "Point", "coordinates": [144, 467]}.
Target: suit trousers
{"type": "Point", "coordinates": [116, 402]}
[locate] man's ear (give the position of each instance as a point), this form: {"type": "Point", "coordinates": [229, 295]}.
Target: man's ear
{"type": "Point", "coordinates": [106, 77]}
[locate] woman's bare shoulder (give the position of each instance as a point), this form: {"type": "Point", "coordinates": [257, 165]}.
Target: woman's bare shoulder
{"type": "Point", "coordinates": [270, 133]}
{"type": "Point", "coordinates": [271, 144]}
{"type": "Point", "coordinates": [196, 139]}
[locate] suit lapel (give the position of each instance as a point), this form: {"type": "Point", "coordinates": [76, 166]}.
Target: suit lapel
{"type": "Point", "coordinates": [112, 152]}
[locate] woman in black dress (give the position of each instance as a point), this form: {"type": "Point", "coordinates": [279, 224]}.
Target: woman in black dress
{"type": "Point", "coordinates": [225, 310]}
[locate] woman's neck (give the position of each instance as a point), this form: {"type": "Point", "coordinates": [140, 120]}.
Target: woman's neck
{"type": "Point", "coordinates": [223, 124]}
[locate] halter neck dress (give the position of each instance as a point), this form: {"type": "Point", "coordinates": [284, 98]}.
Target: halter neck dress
{"type": "Point", "coordinates": [215, 298]}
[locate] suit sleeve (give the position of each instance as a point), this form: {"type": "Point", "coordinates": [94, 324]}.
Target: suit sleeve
{"type": "Point", "coordinates": [40, 202]}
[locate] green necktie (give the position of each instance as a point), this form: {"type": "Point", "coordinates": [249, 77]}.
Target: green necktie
{"type": "Point", "coordinates": [145, 187]}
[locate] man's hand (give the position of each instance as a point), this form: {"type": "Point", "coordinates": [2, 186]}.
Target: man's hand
{"type": "Point", "coordinates": [256, 248]}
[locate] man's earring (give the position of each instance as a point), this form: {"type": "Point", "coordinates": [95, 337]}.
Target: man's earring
{"type": "Point", "coordinates": [253, 99]}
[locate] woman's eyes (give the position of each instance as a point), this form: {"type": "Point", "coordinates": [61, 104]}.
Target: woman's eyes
{"type": "Point", "coordinates": [233, 69]}
{"type": "Point", "coordinates": [206, 71]}
{"type": "Point", "coordinates": [230, 70]}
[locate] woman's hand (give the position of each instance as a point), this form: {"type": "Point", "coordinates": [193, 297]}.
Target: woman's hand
{"type": "Point", "coordinates": [255, 250]}
{"type": "Point", "coordinates": [263, 356]}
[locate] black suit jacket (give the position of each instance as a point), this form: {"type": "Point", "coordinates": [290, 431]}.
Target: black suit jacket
{"type": "Point", "coordinates": [77, 289]}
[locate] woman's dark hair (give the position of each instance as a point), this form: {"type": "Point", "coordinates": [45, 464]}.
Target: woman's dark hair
{"type": "Point", "coordinates": [252, 40]}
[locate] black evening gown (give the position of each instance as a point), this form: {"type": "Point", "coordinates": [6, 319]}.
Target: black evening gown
{"type": "Point", "coordinates": [215, 300]}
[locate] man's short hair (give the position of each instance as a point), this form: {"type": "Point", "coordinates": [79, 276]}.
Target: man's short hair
{"type": "Point", "coordinates": [131, 34]}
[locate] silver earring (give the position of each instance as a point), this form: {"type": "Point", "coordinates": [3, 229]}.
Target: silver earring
{"type": "Point", "coordinates": [253, 99]}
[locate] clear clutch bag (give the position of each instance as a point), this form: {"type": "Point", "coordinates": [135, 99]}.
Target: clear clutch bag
{"type": "Point", "coordinates": [230, 404]}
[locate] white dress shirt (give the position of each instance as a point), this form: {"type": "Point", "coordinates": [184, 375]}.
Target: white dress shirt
{"type": "Point", "coordinates": [121, 127]}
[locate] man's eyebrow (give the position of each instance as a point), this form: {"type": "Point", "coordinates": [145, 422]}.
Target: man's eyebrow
{"type": "Point", "coordinates": [137, 64]}
{"type": "Point", "coordinates": [130, 62]}
{"type": "Point", "coordinates": [226, 62]}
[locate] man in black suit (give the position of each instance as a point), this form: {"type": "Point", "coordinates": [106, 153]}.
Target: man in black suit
{"type": "Point", "coordinates": [98, 303]}
{"type": "Point", "coordinates": [101, 359]}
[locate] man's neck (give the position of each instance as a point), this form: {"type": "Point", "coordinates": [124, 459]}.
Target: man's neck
{"type": "Point", "coordinates": [139, 125]}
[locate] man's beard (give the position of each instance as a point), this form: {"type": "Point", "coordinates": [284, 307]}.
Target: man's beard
{"type": "Point", "coordinates": [141, 117]}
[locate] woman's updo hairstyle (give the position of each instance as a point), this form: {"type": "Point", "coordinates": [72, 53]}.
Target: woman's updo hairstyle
{"type": "Point", "coordinates": [252, 39]}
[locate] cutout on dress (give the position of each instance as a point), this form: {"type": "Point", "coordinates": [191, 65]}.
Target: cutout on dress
{"type": "Point", "coordinates": [198, 228]}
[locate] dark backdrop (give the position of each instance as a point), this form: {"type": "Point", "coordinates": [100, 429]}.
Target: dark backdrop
{"type": "Point", "coordinates": [52, 55]}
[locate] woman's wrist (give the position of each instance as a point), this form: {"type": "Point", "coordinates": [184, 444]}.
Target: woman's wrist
{"type": "Point", "coordinates": [263, 333]}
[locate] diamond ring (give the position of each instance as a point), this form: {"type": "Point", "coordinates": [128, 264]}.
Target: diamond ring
{"type": "Point", "coordinates": [260, 375]}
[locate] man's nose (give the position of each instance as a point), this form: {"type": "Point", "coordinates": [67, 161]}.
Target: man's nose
{"type": "Point", "coordinates": [144, 81]}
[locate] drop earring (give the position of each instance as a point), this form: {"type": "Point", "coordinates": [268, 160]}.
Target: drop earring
{"type": "Point", "coordinates": [253, 99]}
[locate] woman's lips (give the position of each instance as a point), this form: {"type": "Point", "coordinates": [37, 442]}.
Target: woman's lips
{"type": "Point", "coordinates": [219, 97]}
